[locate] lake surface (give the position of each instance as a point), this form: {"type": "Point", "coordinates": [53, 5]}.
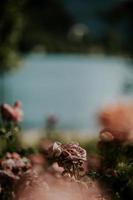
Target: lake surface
{"type": "Point", "coordinates": [73, 87]}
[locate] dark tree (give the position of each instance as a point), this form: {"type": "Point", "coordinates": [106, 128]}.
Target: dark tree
{"type": "Point", "coordinates": [10, 29]}
{"type": "Point", "coordinates": [46, 23]}
{"type": "Point", "coordinates": [120, 22]}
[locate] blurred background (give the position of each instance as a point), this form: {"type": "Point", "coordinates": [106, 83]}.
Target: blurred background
{"type": "Point", "coordinates": [65, 59]}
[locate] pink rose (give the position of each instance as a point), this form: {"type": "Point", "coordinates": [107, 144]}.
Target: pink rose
{"type": "Point", "coordinates": [106, 136]}
{"type": "Point", "coordinates": [12, 113]}
{"type": "Point", "coordinates": [118, 122]}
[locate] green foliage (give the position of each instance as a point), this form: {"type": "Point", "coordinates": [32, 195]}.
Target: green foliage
{"type": "Point", "coordinates": [9, 138]}
{"type": "Point", "coordinates": [91, 146]}
{"type": "Point", "coordinates": [117, 168]}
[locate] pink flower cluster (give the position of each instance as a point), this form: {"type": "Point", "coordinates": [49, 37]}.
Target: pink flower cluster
{"type": "Point", "coordinates": [14, 165]}
{"type": "Point", "coordinates": [12, 113]}
{"type": "Point", "coordinates": [117, 123]}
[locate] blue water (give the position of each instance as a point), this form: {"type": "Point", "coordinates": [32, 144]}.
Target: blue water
{"type": "Point", "coordinates": [72, 87]}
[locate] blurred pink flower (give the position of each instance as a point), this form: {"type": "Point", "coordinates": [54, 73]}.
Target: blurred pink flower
{"type": "Point", "coordinates": [117, 121]}
{"type": "Point", "coordinates": [54, 169]}
{"type": "Point", "coordinates": [52, 120]}
{"type": "Point", "coordinates": [106, 135]}
{"type": "Point", "coordinates": [37, 159]}
{"type": "Point", "coordinates": [38, 162]}
{"type": "Point", "coordinates": [14, 164]}
{"type": "Point", "coordinates": [12, 113]}
{"type": "Point", "coordinates": [12, 168]}
{"type": "Point", "coordinates": [111, 172]}
{"type": "Point", "coordinates": [94, 163]}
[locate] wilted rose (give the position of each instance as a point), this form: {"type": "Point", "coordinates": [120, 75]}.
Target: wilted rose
{"type": "Point", "coordinates": [69, 156]}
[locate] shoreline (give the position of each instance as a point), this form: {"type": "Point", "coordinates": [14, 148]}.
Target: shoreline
{"type": "Point", "coordinates": [32, 136]}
